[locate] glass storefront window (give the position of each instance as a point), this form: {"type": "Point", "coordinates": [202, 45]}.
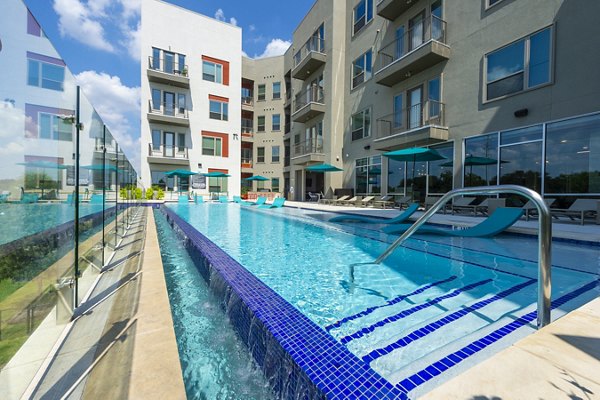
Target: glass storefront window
{"type": "Point", "coordinates": [440, 171]}
{"type": "Point", "coordinates": [368, 175]}
{"type": "Point", "coordinates": [481, 146]}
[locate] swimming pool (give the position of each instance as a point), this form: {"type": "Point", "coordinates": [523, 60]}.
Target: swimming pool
{"type": "Point", "coordinates": [413, 319]}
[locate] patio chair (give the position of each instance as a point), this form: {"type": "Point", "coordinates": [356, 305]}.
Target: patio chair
{"type": "Point", "coordinates": [259, 202]}
{"type": "Point", "coordinates": [198, 199]}
{"type": "Point", "coordinates": [531, 210]}
{"type": "Point", "coordinates": [384, 202]}
{"type": "Point", "coordinates": [431, 200]}
{"type": "Point", "coordinates": [460, 203]}
{"type": "Point", "coordinates": [237, 199]}
{"type": "Point", "coordinates": [313, 196]}
{"type": "Point", "coordinates": [28, 198]}
{"type": "Point", "coordinates": [182, 199]}
{"type": "Point", "coordinates": [404, 201]}
{"type": "Point", "coordinates": [581, 208]}
{"type": "Point", "coordinates": [498, 222]}
{"type": "Point", "coordinates": [277, 203]}
{"type": "Point", "coordinates": [223, 199]}
{"type": "Point", "coordinates": [339, 200]}
{"type": "Point", "coordinates": [366, 201]}
{"type": "Point", "coordinates": [369, 220]}
{"type": "Point", "coordinates": [474, 208]}
{"type": "Point", "coordinates": [350, 202]}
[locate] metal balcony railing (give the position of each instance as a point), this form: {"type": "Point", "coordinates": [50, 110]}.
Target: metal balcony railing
{"type": "Point", "coordinates": [310, 146]}
{"type": "Point", "coordinates": [432, 28]}
{"type": "Point", "coordinates": [313, 44]}
{"type": "Point", "coordinates": [167, 151]}
{"type": "Point", "coordinates": [246, 162]}
{"type": "Point", "coordinates": [312, 94]}
{"type": "Point", "coordinates": [423, 114]}
{"type": "Point", "coordinates": [247, 101]}
{"type": "Point", "coordinates": [167, 66]}
{"type": "Point", "coordinates": [168, 109]}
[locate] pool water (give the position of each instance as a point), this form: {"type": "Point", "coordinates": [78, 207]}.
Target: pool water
{"type": "Point", "coordinates": [417, 306]}
{"type": "Point", "coordinates": [20, 220]}
{"type": "Point", "coordinates": [215, 363]}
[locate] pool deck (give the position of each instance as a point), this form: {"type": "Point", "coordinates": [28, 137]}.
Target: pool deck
{"type": "Point", "coordinates": [560, 361]}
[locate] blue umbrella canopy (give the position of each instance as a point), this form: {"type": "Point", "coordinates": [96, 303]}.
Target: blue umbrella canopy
{"type": "Point", "coordinates": [323, 168]}
{"type": "Point", "coordinates": [414, 154]}
{"type": "Point", "coordinates": [180, 173]}
{"type": "Point", "coordinates": [259, 178]}
{"type": "Point", "coordinates": [216, 175]}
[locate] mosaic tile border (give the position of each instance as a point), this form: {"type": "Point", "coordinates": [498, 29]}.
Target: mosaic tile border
{"type": "Point", "coordinates": [300, 359]}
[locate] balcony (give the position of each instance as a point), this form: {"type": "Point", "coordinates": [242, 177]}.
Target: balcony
{"type": "Point", "coordinates": [246, 164]}
{"type": "Point", "coordinates": [421, 47]}
{"type": "Point", "coordinates": [247, 132]}
{"type": "Point", "coordinates": [247, 103]}
{"type": "Point", "coordinates": [308, 151]}
{"type": "Point", "coordinates": [168, 72]}
{"type": "Point", "coordinates": [419, 125]}
{"type": "Point", "coordinates": [309, 58]}
{"type": "Point", "coordinates": [308, 104]}
{"type": "Point", "coordinates": [172, 155]}
{"type": "Point", "coordinates": [392, 9]}
{"type": "Point", "coordinates": [167, 113]}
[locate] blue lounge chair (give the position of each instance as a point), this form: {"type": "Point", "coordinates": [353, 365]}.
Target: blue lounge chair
{"type": "Point", "coordinates": [396, 220]}
{"type": "Point", "coordinates": [277, 203]}
{"type": "Point", "coordinates": [198, 199]}
{"type": "Point", "coordinates": [4, 196]}
{"type": "Point", "coordinates": [259, 202]}
{"type": "Point", "coordinates": [96, 199]}
{"type": "Point", "coordinates": [30, 198]}
{"type": "Point", "coordinates": [223, 199]}
{"type": "Point", "coordinates": [183, 199]}
{"type": "Point", "coordinates": [497, 222]}
{"type": "Point", "coordinates": [237, 199]}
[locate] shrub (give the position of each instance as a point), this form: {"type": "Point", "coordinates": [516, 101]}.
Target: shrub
{"type": "Point", "coordinates": [149, 193]}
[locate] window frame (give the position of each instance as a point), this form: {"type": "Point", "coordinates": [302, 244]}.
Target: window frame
{"type": "Point", "coordinates": [276, 94]}
{"type": "Point", "coordinates": [39, 74]}
{"type": "Point", "coordinates": [259, 156]}
{"type": "Point", "coordinates": [217, 146]}
{"type": "Point", "coordinates": [367, 69]}
{"type": "Point", "coordinates": [526, 65]}
{"type": "Point", "coordinates": [259, 127]}
{"type": "Point", "coordinates": [276, 159]}
{"type": "Point", "coordinates": [218, 72]}
{"type": "Point", "coordinates": [223, 115]}
{"type": "Point", "coordinates": [273, 126]}
{"type": "Point", "coordinates": [364, 111]}
{"type": "Point", "coordinates": [55, 123]}
{"type": "Point", "coordinates": [263, 96]}
{"type": "Point", "coordinates": [368, 15]}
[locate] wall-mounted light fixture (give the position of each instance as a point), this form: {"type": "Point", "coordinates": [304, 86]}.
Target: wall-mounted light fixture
{"type": "Point", "coordinates": [521, 113]}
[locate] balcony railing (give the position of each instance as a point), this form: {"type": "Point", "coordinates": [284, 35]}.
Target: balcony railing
{"type": "Point", "coordinates": [315, 44]}
{"type": "Point", "coordinates": [432, 28]}
{"type": "Point", "coordinates": [168, 151]}
{"type": "Point", "coordinates": [246, 162]}
{"type": "Point", "coordinates": [168, 109]}
{"type": "Point", "coordinates": [247, 101]}
{"type": "Point", "coordinates": [167, 66]}
{"type": "Point", "coordinates": [247, 131]}
{"type": "Point", "coordinates": [312, 94]}
{"type": "Point", "coordinates": [309, 147]}
{"type": "Point", "coordinates": [423, 114]}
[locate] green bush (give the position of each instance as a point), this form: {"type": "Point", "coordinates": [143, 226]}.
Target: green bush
{"type": "Point", "coordinates": [123, 193]}
{"type": "Point", "coordinates": [138, 193]}
{"type": "Point", "coordinates": [149, 193]}
{"type": "Point", "coordinates": [161, 194]}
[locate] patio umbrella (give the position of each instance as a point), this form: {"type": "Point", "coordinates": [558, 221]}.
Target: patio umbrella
{"type": "Point", "coordinates": [414, 154]}
{"type": "Point", "coordinates": [470, 161]}
{"type": "Point", "coordinates": [323, 168]}
{"type": "Point", "coordinates": [258, 178]}
{"type": "Point", "coordinates": [179, 173]}
{"type": "Point", "coordinates": [45, 165]}
{"type": "Point", "coordinates": [216, 174]}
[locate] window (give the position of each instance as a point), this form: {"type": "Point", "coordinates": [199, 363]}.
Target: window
{"type": "Point", "coordinates": [275, 184]}
{"type": "Point", "coordinates": [276, 90]}
{"type": "Point", "coordinates": [181, 68]}
{"type": "Point", "coordinates": [261, 92]}
{"type": "Point", "coordinates": [368, 175]}
{"type": "Point", "coordinates": [260, 123]}
{"type": "Point", "coordinates": [169, 62]}
{"type": "Point", "coordinates": [361, 68]}
{"type": "Point", "coordinates": [260, 154]}
{"type": "Point", "coordinates": [275, 154]}
{"type": "Point", "coordinates": [276, 122]}
{"type": "Point", "coordinates": [156, 99]}
{"type": "Point", "coordinates": [521, 65]}
{"type": "Point", "coordinates": [492, 2]}
{"type": "Point", "coordinates": [155, 58]}
{"type": "Point", "coordinates": [363, 13]}
{"type": "Point", "coordinates": [481, 146]}
{"type": "Point", "coordinates": [181, 142]}
{"type": "Point", "coordinates": [156, 134]}
{"type": "Point", "coordinates": [211, 146]}
{"type": "Point", "coordinates": [54, 128]}
{"type": "Point", "coordinates": [45, 75]}
{"type": "Point", "coordinates": [361, 124]}
{"type": "Point", "coordinates": [218, 110]}
{"type": "Point", "coordinates": [212, 72]}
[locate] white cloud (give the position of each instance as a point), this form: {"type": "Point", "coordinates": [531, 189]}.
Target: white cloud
{"type": "Point", "coordinates": [75, 20]}
{"type": "Point", "coordinates": [220, 16]}
{"type": "Point", "coordinates": [118, 105]}
{"type": "Point", "coordinates": [275, 47]}
{"type": "Point", "coordinates": [132, 40]}
{"type": "Point", "coordinates": [233, 21]}
{"type": "Point", "coordinates": [252, 27]}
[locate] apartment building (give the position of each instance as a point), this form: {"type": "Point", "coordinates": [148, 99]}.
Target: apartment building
{"type": "Point", "coordinates": [191, 99]}
{"type": "Point", "coordinates": [511, 81]}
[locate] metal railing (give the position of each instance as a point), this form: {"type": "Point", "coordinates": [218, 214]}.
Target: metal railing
{"type": "Point", "coordinates": [247, 101]}
{"type": "Point", "coordinates": [312, 94]}
{"type": "Point", "coordinates": [168, 109]}
{"type": "Point", "coordinates": [168, 151]}
{"type": "Point", "coordinates": [310, 146]}
{"type": "Point", "coordinates": [169, 67]}
{"type": "Point", "coordinates": [246, 162]}
{"type": "Point", "coordinates": [432, 28]}
{"type": "Point", "coordinates": [544, 237]}
{"type": "Point", "coordinates": [313, 44]}
{"type": "Point", "coordinates": [430, 112]}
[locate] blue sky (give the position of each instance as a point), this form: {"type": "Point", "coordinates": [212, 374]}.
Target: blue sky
{"type": "Point", "coordinates": [98, 40]}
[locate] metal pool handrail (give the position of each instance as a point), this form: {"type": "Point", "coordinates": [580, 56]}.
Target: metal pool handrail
{"type": "Point", "coordinates": [544, 237]}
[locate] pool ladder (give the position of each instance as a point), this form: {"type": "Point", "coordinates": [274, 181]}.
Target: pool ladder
{"type": "Point", "coordinates": [544, 237]}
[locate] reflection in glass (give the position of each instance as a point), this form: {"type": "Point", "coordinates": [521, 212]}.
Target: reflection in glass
{"type": "Point", "coordinates": [522, 165]}
{"type": "Point", "coordinates": [481, 146]}
{"type": "Point", "coordinates": [396, 176]}
{"type": "Point", "coordinates": [539, 58]}
{"type": "Point", "coordinates": [440, 173]}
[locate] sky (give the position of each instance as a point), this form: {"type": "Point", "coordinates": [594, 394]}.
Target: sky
{"type": "Point", "coordinates": [99, 41]}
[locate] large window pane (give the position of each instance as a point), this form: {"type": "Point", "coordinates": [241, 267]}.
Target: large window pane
{"type": "Point", "coordinates": [481, 146]}
{"type": "Point", "coordinates": [522, 165]}
{"type": "Point", "coordinates": [572, 156]}
{"type": "Point", "coordinates": [539, 58]}
{"type": "Point", "coordinates": [521, 135]}
{"type": "Point", "coordinates": [396, 176]}
{"type": "Point", "coordinates": [440, 171]}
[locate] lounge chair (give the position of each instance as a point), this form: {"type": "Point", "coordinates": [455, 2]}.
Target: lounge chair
{"type": "Point", "coordinates": [581, 208]}
{"type": "Point", "coordinates": [366, 201]}
{"type": "Point", "coordinates": [384, 202]}
{"type": "Point", "coordinates": [183, 199]}
{"type": "Point", "coordinates": [335, 201]}
{"type": "Point", "coordinates": [28, 198]}
{"type": "Point", "coordinates": [4, 196]}
{"type": "Point", "coordinates": [499, 221]}
{"type": "Point", "coordinates": [198, 199]}
{"type": "Point", "coordinates": [277, 203]}
{"type": "Point", "coordinates": [313, 196]}
{"type": "Point", "coordinates": [223, 199]}
{"type": "Point", "coordinates": [404, 201]}
{"type": "Point", "coordinates": [396, 220]}
{"type": "Point", "coordinates": [531, 209]}
{"type": "Point", "coordinates": [460, 203]}
{"type": "Point", "coordinates": [259, 202]}
{"type": "Point", "coordinates": [237, 199]}
{"type": "Point", "coordinates": [350, 202]}
{"type": "Point", "coordinates": [474, 208]}
{"type": "Point", "coordinates": [431, 200]}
